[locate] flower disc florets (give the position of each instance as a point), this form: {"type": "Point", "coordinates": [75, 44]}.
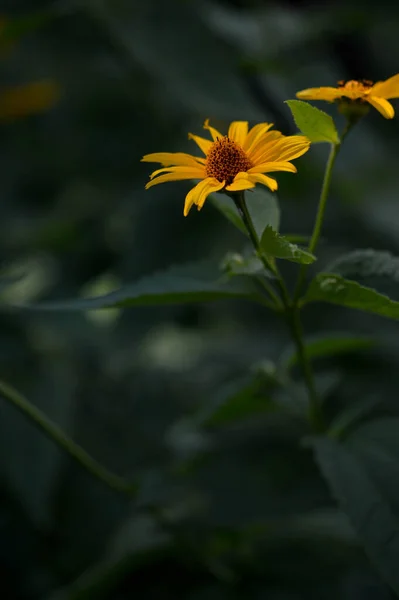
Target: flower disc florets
{"type": "Point", "coordinates": [225, 160]}
{"type": "Point", "coordinates": [355, 90]}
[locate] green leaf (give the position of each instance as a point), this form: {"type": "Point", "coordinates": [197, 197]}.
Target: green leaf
{"type": "Point", "coordinates": [359, 498]}
{"type": "Point", "coordinates": [237, 264]}
{"type": "Point", "coordinates": [278, 246]}
{"type": "Point", "coordinates": [329, 287]}
{"type": "Point", "coordinates": [317, 125]}
{"type": "Point", "coordinates": [236, 401]}
{"type": "Point", "coordinates": [226, 206]}
{"type": "Point", "coordinates": [262, 206]}
{"type": "Point", "coordinates": [351, 416]}
{"type": "Point", "coordinates": [366, 264]}
{"type": "Point", "coordinates": [196, 282]}
{"type": "Point", "coordinates": [376, 444]}
{"type": "Point", "coordinates": [327, 345]}
{"type": "Point", "coordinates": [296, 238]}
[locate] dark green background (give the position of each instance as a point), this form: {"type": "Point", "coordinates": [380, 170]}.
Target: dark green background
{"type": "Point", "coordinates": [236, 510]}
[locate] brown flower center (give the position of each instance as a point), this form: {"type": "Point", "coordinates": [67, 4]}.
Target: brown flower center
{"type": "Point", "coordinates": [225, 159]}
{"type": "Point", "coordinates": [355, 90]}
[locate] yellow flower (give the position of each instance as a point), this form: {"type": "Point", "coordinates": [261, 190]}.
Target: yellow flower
{"type": "Point", "coordinates": [359, 91]}
{"type": "Point", "coordinates": [234, 162]}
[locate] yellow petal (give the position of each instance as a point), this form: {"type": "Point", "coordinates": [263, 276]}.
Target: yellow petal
{"type": "Point", "coordinates": [273, 166]}
{"type": "Point", "coordinates": [264, 142]}
{"type": "Point", "coordinates": [200, 192]}
{"type": "Point", "coordinates": [214, 132]}
{"type": "Point", "coordinates": [28, 99]}
{"type": "Point", "coordinates": [238, 131]}
{"type": "Point", "coordinates": [255, 133]}
{"type": "Point", "coordinates": [383, 106]}
{"type": "Point", "coordinates": [173, 158]}
{"type": "Point", "coordinates": [241, 182]}
{"type": "Point", "coordinates": [201, 142]}
{"type": "Point", "coordinates": [199, 171]}
{"type": "Point", "coordinates": [175, 174]}
{"type": "Point", "coordinates": [386, 89]}
{"type": "Point", "coordinates": [264, 180]}
{"type": "Point", "coordinates": [321, 93]}
{"type": "Point", "coordinates": [285, 149]}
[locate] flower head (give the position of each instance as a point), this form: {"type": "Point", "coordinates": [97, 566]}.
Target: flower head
{"type": "Point", "coordinates": [376, 94]}
{"type": "Point", "coordinates": [233, 163]}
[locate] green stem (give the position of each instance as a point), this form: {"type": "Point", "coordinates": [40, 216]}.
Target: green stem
{"type": "Point", "coordinates": [52, 431]}
{"type": "Point", "coordinates": [316, 418]}
{"type": "Point", "coordinates": [292, 316]}
{"type": "Point", "coordinates": [239, 199]}
{"type": "Point", "coordinates": [319, 216]}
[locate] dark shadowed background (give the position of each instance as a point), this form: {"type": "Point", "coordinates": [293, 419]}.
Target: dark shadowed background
{"type": "Point", "coordinates": [228, 506]}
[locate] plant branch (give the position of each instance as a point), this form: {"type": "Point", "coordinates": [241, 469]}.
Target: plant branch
{"type": "Point", "coordinates": [53, 432]}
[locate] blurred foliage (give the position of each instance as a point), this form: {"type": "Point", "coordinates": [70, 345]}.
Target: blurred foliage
{"type": "Point", "coordinates": [181, 399]}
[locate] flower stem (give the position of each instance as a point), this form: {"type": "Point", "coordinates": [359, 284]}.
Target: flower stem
{"type": "Point", "coordinates": [319, 216]}
{"type": "Point", "coordinates": [52, 431]}
{"type": "Point", "coordinates": [239, 200]}
{"type": "Point", "coordinates": [292, 315]}
{"type": "Point", "coordinates": [315, 413]}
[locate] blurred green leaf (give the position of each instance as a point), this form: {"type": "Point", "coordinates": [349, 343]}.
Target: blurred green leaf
{"type": "Point", "coordinates": [195, 282]}
{"type": "Point", "coordinates": [237, 264]}
{"type": "Point", "coordinates": [262, 206]}
{"type": "Point", "coordinates": [278, 246]}
{"type": "Point", "coordinates": [236, 401]}
{"type": "Point", "coordinates": [327, 345]}
{"type": "Point", "coordinates": [367, 510]}
{"type": "Point", "coordinates": [328, 287]}
{"type": "Point", "coordinates": [376, 443]}
{"type": "Point", "coordinates": [226, 206]}
{"type": "Point", "coordinates": [8, 280]}
{"type": "Point", "coordinates": [351, 416]}
{"type": "Point", "coordinates": [317, 125]}
{"type": "Point", "coordinates": [366, 263]}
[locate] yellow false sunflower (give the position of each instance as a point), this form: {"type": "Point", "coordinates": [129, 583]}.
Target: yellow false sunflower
{"type": "Point", "coordinates": [376, 94]}
{"type": "Point", "coordinates": [234, 162]}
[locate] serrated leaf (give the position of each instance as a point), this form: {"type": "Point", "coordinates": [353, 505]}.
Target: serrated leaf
{"type": "Point", "coordinates": [278, 246]}
{"type": "Point", "coordinates": [196, 282]}
{"type": "Point", "coordinates": [359, 498]}
{"type": "Point", "coordinates": [327, 345]}
{"type": "Point", "coordinates": [317, 125]}
{"type": "Point", "coordinates": [377, 269]}
{"type": "Point", "coordinates": [329, 287]}
{"type": "Point", "coordinates": [262, 206]}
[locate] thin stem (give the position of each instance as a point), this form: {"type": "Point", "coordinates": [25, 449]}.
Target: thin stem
{"type": "Point", "coordinates": [52, 431]}
{"type": "Point", "coordinates": [319, 216]}
{"type": "Point", "coordinates": [292, 316]}
{"type": "Point", "coordinates": [315, 413]}
{"type": "Point", "coordinates": [239, 199]}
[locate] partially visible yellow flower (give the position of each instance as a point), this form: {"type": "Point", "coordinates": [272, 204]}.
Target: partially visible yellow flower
{"type": "Point", "coordinates": [27, 99]}
{"type": "Point", "coordinates": [234, 162]}
{"type": "Point", "coordinates": [376, 94]}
